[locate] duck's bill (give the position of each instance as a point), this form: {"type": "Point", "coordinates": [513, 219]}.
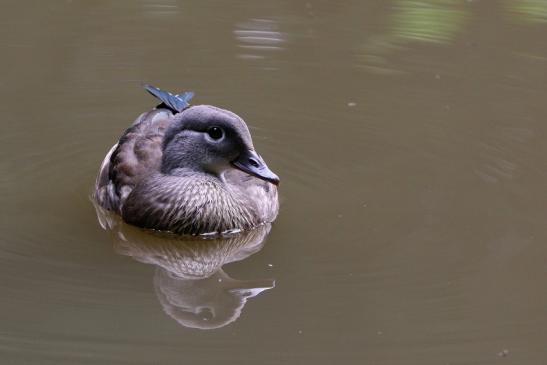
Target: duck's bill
{"type": "Point", "coordinates": [251, 163]}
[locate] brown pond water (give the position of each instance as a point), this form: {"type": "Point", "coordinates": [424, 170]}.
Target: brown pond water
{"type": "Point", "coordinates": [410, 138]}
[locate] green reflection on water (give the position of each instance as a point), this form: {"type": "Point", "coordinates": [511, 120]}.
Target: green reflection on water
{"type": "Point", "coordinates": [534, 11]}
{"type": "Point", "coordinates": [432, 21]}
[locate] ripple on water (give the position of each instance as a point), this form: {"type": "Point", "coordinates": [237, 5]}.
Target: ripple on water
{"type": "Point", "coordinates": [156, 8]}
{"type": "Point", "coordinates": [258, 39]}
{"type": "Point", "coordinates": [286, 153]}
{"type": "Point", "coordinates": [503, 153]}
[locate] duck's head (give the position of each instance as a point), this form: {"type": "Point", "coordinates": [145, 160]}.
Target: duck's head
{"type": "Point", "coordinates": [209, 139]}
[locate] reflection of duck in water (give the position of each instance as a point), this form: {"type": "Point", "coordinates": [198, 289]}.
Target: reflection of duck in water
{"type": "Point", "coordinates": [207, 303]}
{"type": "Point", "coordinates": [189, 281]}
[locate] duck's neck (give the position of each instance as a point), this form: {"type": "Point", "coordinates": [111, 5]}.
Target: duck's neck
{"type": "Point", "coordinates": [187, 201]}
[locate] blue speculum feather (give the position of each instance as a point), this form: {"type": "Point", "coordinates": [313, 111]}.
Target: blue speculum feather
{"type": "Point", "coordinates": [186, 96]}
{"type": "Point", "coordinates": [175, 103]}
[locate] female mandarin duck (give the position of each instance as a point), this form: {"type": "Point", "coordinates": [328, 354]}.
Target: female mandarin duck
{"type": "Point", "coordinates": [188, 170]}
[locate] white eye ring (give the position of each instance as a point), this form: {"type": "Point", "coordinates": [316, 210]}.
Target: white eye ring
{"type": "Point", "coordinates": [215, 133]}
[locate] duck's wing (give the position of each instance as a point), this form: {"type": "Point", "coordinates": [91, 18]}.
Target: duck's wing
{"type": "Point", "coordinates": [137, 154]}
{"type": "Point", "coordinates": [175, 103]}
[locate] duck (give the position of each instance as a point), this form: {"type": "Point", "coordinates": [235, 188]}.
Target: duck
{"type": "Point", "coordinates": [187, 169]}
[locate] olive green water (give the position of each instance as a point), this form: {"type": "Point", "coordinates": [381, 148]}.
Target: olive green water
{"type": "Point", "coordinates": [410, 138]}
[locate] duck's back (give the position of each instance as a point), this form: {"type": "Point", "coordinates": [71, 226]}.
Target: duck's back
{"type": "Point", "coordinates": [137, 154]}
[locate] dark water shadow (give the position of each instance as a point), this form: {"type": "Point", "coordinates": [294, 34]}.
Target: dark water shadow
{"type": "Point", "coordinates": [189, 280]}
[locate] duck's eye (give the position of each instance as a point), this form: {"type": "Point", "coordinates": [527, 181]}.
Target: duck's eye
{"type": "Point", "coordinates": [215, 133]}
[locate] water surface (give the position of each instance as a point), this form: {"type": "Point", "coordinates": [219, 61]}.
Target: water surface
{"type": "Point", "coordinates": [410, 140]}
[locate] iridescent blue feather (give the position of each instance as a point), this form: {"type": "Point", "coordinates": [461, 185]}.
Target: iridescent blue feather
{"type": "Point", "coordinates": [176, 103]}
